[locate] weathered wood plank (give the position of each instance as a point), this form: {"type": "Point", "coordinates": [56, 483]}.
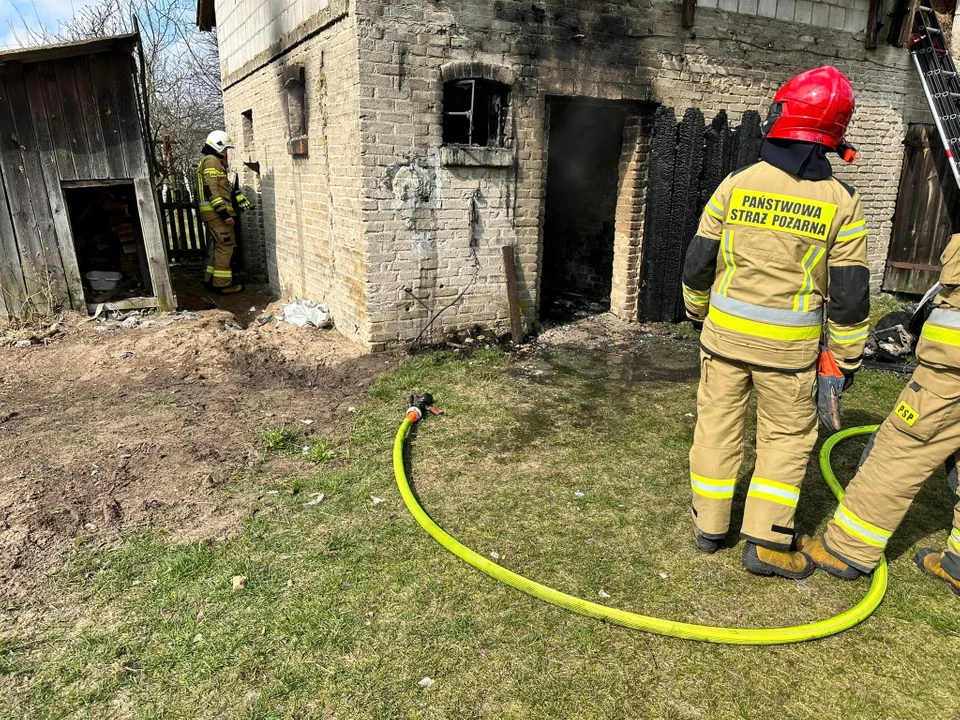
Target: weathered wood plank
{"type": "Point", "coordinates": [192, 225]}
{"type": "Point", "coordinates": [164, 230]}
{"type": "Point", "coordinates": [182, 240]}
{"type": "Point", "coordinates": [128, 116]}
{"type": "Point", "coordinates": [23, 181]}
{"type": "Point", "coordinates": [906, 27]}
{"type": "Point", "coordinates": [51, 181]}
{"type": "Point", "coordinates": [874, 14]}
{"type": "Point", "coordinates": [73, 119]}
{"type": "Point", "coordinates": [688, 12]}
{"type": "Point", "coordinates": [927, 213]}
{"type": "Point", "coordinates": [513, 294]}
{"type": "Point", "coordinates": [153, 243]}
{"type": "Point", "coordinates": [143, 303]}
{"type": "Point", "coordinates": [71, 49]}
{"type": "Point", "coordinates": [58, 130]}
{"type": "Point", "coordinates": [107, 109]}
{"type": "Point", "coordinates": [99, 168]}
{"type": "Point", "coordinates": [13, 293]}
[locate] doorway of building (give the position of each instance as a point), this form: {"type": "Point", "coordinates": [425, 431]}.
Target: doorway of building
{"type": "Point", "coordinates": [583, 162]}
{"type": "Point", "coordinates": [108, 239]}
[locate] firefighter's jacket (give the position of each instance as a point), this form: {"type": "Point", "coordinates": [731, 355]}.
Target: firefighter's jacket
{"type": "Point", "coordinates": [770, 247]}
{"type": "Point", "coordinates": [213, 189]}
{"type": "Point", "coordinates": [939, 348]}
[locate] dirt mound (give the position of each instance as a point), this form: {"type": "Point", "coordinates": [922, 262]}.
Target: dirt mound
{"type": "Point", "coordinates": [108, 430]}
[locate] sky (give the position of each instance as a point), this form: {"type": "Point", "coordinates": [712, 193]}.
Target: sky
{"type": "Point", "coordinates": [14, 14]}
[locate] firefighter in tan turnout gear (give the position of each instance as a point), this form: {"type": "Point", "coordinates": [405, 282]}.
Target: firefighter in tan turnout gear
{"type": "Point", "coordinates": [779, 244]}
{"type": "Point", "coordinates": [920, 435]}
{"type": "Point", "coordinates": [217, 211]}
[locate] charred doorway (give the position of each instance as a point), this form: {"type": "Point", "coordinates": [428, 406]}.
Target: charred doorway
{"type": "Point", "coordinates": [583, 163]}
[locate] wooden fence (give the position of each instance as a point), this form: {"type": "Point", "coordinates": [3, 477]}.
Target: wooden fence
{"type": "Point", "coordinates": [183, 233]}
{"type": "Point", "coordinates": [688, 160]}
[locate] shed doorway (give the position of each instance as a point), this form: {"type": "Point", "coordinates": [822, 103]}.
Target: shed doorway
{"type": "Point", "coordinates": [583, 171]}
{"type": "Point", "coordinates": [108, 238]}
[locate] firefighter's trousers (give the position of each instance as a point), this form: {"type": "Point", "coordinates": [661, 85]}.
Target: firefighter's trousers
{"type": "Point", "coordinates": [915, 440]}
{"type": "Point", "coordinates": [224, 243]}
{"type": "Point", "coordinates": [786, 434]}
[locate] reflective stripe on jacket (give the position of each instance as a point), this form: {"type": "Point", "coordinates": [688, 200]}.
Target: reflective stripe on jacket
{"type": "Point", "coordinates": [214, 193]}
{"type": "Point", "coordinates": [768, 247]}
{"type": "Point", "coordinates": [939, 348]}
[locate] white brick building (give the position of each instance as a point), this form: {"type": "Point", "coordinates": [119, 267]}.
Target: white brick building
{"type": "Point", "coordinates": [392, 148]}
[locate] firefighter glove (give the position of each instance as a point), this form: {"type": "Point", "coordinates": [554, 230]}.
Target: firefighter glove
{"type": "Point", "coordinates": [242, 202]}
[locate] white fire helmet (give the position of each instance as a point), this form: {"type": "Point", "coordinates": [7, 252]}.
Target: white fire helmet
{"type": "Point", "coordinates": [219, 141]}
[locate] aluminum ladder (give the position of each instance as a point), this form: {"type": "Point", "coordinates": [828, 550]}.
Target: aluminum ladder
{"type": "Point", "coordinates": [938, 75]}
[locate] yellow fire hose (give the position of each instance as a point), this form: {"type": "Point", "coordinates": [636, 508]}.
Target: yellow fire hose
{"type": "Point", "coordinates": [705, 633]}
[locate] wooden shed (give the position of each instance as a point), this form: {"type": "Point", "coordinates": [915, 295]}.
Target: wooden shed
{"type": "Point", "coordinates": [78, 208]}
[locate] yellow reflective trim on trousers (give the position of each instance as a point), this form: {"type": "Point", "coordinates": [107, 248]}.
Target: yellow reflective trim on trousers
{"type": "Point", "coordinates": [774, 491]}
{"type": "Point", "coordinates": [954, 540]}
{"type": "Point", "coordinates": [760, 495]}
{"type": "Point", "coordinates": [761, 329]}
{"type": "Point", "coordinates": [860, 529]}
{"type": "Point", "coordinates": [801, 303]}
{"type": "Point", "coordinates": [940, 334]}
{"type": "Point", "coordinates": [713, 488]}
{"type": "Point", "coordinates": [223, 273]}
{"type": "Point", "coordinates": [730, 261]}
{"type": "Point", "coordinates": [210, 269]}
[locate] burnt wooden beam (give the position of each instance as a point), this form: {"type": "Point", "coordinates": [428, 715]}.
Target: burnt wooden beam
{"type": "Point", "coordinates": [873, 23]}
{"type": "Point", "coordinates": [513, 294]}
{"type": "Point", "coordinates": [906, 25]}
{"type": "Point", "coordinates": [688, 12]}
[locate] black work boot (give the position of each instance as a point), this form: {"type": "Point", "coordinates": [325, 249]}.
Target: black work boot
{"type": "Point", "coordinates": [822, 559]}
{"type": "Point", "coordinates": [789, 564]}
{"type": "Point", "coordinates": [706, 544]}
{"type": "Point", "coordinates": [932, 563]}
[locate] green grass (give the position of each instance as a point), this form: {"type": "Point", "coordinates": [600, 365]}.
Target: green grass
{"type": "Point", "coordinates": [294, 442]}
{"type": "Point", "coordinates": [349, 603]}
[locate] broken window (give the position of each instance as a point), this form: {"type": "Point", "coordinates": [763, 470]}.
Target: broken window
{"type": "Point", "coordinates": [247, 122]}
{"type": "Point", "coordinates": [475, 113]}
{"type": "Point", "coordinates": [296, 109]}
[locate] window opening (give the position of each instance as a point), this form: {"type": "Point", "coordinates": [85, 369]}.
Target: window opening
{"type": "Point", "coordinates": [247, 121]}
{"type": "Point", "coordinates": [474, 113]}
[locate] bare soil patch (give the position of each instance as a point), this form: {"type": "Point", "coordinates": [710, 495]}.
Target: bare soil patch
{"type": "Point", "coordinates": [106, 430]}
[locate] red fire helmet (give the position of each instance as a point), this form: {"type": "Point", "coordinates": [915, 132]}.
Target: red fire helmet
{"type": "Point", "coordinates": [815, 106]}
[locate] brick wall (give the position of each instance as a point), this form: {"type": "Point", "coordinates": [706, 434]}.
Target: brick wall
{"type": "Point", "coordinates": [306, 229]}
{"type": "Point", "coordinates": [391, 228]}
{"type": "Point", "coordinates": [599, 49]}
